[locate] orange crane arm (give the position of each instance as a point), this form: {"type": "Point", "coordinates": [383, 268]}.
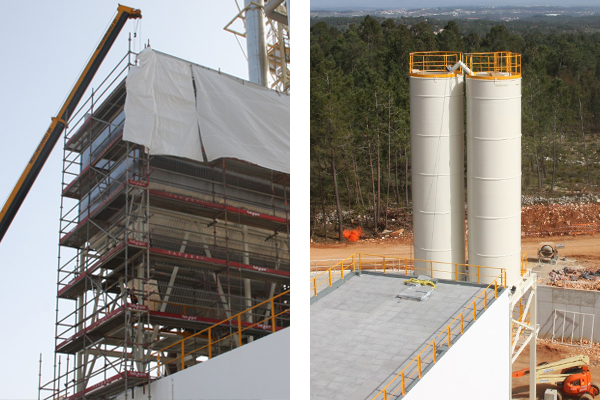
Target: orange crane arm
{"type": "Point", "coordinates": [42, 152]}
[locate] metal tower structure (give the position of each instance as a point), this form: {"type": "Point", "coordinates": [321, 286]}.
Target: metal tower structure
{"type": "Point", "coordinates": [266, 29]}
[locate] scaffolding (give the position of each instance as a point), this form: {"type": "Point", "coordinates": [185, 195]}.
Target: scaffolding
{"type": "Point", "coordinates": [163, 262]}
{"type": "Point", "coordinates": [277, 41]}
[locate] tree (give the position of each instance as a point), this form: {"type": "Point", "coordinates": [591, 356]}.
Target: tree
{"type": "Point", "coordinates": [450, 38]}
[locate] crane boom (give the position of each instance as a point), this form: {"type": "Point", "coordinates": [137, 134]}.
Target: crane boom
{"type": "Point", "coordinates": [542, 369]}
{"type": "Point", "coordinates": [42, 152]}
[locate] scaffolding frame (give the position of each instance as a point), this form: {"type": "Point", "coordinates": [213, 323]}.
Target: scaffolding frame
{"type": "Point", "coordinates": [155, 249]}
{"type": "Point", "coordinates": [277, 43]}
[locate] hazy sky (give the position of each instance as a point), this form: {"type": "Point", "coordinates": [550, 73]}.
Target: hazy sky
{"type": "Point", "coordinates": [395, 4]}
{"type": "Point", "coordinates": [43, 47]}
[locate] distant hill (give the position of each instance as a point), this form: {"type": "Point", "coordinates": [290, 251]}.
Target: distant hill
{"type": "Point", "coordinates": [362, 5]}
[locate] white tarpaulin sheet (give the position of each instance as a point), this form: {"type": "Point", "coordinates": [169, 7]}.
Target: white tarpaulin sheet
{"type": "Point", "coordinates": [174, 107]}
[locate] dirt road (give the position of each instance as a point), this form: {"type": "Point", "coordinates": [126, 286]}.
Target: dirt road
{"type": "Point", "coordinates": [584, 248]}
{"type": "Point", "coordinates": [386, 247]}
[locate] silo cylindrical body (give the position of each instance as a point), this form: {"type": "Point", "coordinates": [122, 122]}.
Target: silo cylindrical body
{"type": "Point", "coordinates": [437, 168]}
{"type": "Point", "coordinates": [494, 174]}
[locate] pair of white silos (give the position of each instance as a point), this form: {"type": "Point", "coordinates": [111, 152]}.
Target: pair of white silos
{"type": "Point", "coordinates": [493, 97]}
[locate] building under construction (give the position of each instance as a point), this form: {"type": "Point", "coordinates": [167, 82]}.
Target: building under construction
{"type": "Point", "coordinates": [168, 259]}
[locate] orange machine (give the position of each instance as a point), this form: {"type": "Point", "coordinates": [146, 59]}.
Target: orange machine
{"type": "Point", "coordinates": [574, 379]}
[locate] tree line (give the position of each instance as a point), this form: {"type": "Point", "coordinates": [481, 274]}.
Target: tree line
{"type": "Point", "coordinates": [360, 119]}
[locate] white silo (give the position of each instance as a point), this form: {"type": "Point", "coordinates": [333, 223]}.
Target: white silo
{"type": "Point", "coordinates": [437, 159]}
{"type": "Point", "coordinates": [494, 163]}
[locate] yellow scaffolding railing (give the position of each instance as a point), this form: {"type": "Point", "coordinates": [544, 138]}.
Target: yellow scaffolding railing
{"type": "Point", "coordinates": [523, 264]}
{"type": "Point", "coordinates": [234, 321]}
{"type": "Point", "coordinates": [494, 65]}
{"type": "Point", "coordinates": [433, 63]}
{"type": "Point", "coordinates": [362, 261]}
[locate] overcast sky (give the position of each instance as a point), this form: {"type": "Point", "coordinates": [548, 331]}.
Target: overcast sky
{"type": "Point", "coordinates": [410, 4]}
{"type": "Point", "coordinates": [43, 46]}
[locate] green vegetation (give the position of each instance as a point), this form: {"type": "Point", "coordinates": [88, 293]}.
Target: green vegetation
{"type": "Point", "coordinates": [360, 122]}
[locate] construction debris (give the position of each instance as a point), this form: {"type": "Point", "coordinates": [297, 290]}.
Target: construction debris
{"type": "Point", "coordinates": [583, 278]}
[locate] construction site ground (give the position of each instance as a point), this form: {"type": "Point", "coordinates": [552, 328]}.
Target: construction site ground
{"type": "Point", "coordinates": [584, 248]}
{"type": "Point", "coordinates": [580, 252]}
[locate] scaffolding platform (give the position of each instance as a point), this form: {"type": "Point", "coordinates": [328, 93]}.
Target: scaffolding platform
{"type": "Point", "coordinates": [245, 270]}
{"type": "Point", "coordinates": [192, 322]}
{"type": "Point", "coordinates": [114, 203]}
{"type": "Point", "coordinates": [112, 385]}
{"type": "Point", "coordinates": [207, 209]}
{"type": "Point", "coordinates": [114, 322]}
{"type": "Point", "coordinates": [115, 259]}
{"type": "Point", "coordinates": [83, 135]}
{"type": "Point", "coordinates": [78, 186]}
{"type": "Point", "coordinates": [111, 260]}
{"type": "Point", "coordinates": [98, 329]}
{"type": "Point", "coordinates": [101, 215]}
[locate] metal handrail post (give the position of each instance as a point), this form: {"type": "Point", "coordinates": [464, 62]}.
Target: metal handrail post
{"type": "Point", "coordinates": [240, 328]}
{"type": "Point", "coordinates": [210, 342]}
{"type": "Point", "coordinates": [182, 355]}
{"type": "Point", "coordinates": [273, 314]}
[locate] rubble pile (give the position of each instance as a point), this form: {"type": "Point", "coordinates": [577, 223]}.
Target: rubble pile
{"type": "Point", "coordinates": [581, 198]}
{"type": "Point", "coordinates": [559, 219]}
{"type": "Point", "coordinates": [583, 278]}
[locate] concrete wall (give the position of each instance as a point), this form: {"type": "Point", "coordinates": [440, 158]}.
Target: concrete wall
{"type": "Point", "coordinates": [583, 301]}
{"type": "Point", "coordinates": [258, 370]}
{"type": "Point", "coordinates": [480, 360]}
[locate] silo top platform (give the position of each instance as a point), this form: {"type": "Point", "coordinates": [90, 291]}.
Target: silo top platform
{"type": "Point", "coordinates": [492, 65]}
{"type": "Point", "coordinates": [495, 65]}
{"type": "Point", "coordinates": [362, 335]}
{"type": "Point", "coordinates": [433, 64]}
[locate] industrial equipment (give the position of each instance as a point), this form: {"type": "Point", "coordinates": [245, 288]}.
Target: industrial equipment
{"type": "Point", "coordinates": [549, 253]}
{"type": "Point", "coordinates": [42, 152]}
{"type": "Point", "coordinates": [574, 378]}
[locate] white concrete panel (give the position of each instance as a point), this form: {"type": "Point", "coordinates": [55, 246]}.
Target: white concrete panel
{"type": "Point", "coordinates": [257, 370]}
{"type": "Point", "coordinates": [480, 360]}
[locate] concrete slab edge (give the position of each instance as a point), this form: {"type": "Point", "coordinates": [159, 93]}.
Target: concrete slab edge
{"type": "Point", "coordinates": [334, 285]}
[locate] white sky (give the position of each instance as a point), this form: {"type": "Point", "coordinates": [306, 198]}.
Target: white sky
{"type": "Point", "coordinates": [43, 47]}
